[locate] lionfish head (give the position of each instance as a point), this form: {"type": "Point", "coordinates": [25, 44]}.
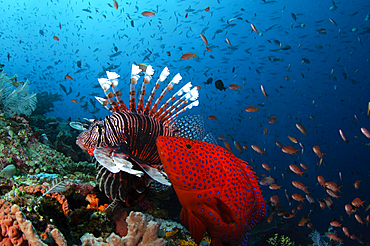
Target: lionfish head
{"type": "Point", "coordinates": [88, 139]}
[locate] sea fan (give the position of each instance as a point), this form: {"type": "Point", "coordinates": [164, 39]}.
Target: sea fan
{"type": "Point", "coordinates": [317, 239]}
{"type": "Point", "coordinates": [16, 100]}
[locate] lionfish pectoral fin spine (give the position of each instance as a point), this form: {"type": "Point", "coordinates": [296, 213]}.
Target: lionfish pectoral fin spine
{"type": "Point", "coordinates": [101, 154]}
{"type": "Point", "coordinates": [120, 160]}
{"type": "Point", "coordinates": [156, 174]}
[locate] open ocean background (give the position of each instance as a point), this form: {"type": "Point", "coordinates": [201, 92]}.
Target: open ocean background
{"type": "Point", "coordinates": [323, 95]}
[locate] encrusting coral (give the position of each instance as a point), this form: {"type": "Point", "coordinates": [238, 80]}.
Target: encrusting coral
{"type": "Point", "coordinates": [140, 232]}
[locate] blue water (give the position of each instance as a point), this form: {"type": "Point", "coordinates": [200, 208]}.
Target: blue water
{"type": "Point", "coordinates": [27, 29]}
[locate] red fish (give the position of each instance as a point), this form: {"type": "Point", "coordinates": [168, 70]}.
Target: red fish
{"type": "Point", "coordinates": [124, 142]}
{"type": "Point", "coordinates": [219, 193]}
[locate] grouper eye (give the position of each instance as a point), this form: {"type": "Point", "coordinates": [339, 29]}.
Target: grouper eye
{"type": "Point", "coordinates": [188, 146]}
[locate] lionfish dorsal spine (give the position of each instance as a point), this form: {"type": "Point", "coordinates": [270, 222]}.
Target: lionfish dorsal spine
{"type": "Point", "coordinates": [106, 85]}
{"type": "Point", "coordinates": [148, 76]}
{"type": "Point", "coordinates": [175, 80]}
{"type": "Point", "coordinates": [113, 77]}
{"type": "Point", "coordinates": [189, 94]}
{"type": "Point", "coordinates": [164, 74]}
{"type": "Point", "coordinates": [173, 117]}
{"type": "Point", "coordinates": [184, 89]}
{"type": "Point", "coordinates": [135, 70]}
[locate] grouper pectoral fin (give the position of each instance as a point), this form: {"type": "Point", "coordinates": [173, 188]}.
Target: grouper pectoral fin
{"type": "Point", "coordinates": [196, 227]}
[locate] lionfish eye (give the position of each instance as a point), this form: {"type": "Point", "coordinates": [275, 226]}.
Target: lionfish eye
{"type": "Point", "coordinates": [188, 146]}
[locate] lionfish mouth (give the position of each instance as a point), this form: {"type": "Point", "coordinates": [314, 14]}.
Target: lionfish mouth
{"type": "Point", "coordinates": [81, 145]}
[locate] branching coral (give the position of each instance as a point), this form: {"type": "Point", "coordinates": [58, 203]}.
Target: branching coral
{"type": "Point", "coordinates": [280, 241]}
{"type": "Point", "coordinates": [15, 97]}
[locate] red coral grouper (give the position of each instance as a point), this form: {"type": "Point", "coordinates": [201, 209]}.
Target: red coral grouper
{"type": "Point", "coordinates": [219, 192]}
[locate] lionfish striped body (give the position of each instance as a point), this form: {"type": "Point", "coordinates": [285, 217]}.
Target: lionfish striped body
{"type": "Point", "coordinates": [124, 143]}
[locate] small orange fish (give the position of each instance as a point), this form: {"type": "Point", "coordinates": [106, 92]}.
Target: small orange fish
{"type": "Point", "coordinates": [207, 9]}
{"type": "Point", "coordinates": [238, 147]}
{"type": "Point", "coordinates": [293, 139]}
{"type": "Point", "coordinates": [115, 4]}
{"type": "Point", "coordinates": [298, 197]}
{"type": "Point", "coordinates": [254, 28]}
{"type": "Point", "coordinates": [321, 180]}
{"type": "Point", "coordinates": [304, 220]}
{"type": "Point", "coordinates": [272, 119]}
{"type": "Point", "coordinates": [303, 166]}
{"type": "Point", "coordinates": [310, 225]}
{"type": "Point", "coordinates": [269, 219]}
{"type": "Point", "coordinates": [234, 87]}
{"type": "Point", "coordinates": [55, 38]}
{"type": "Point", "coordinates": [317, 151]}
{"type": "Point", "coordinates": [228, 42]}
{"type": "Point", "coordinates": [289, 150]}
{"type": "Point", "coordinates": [148, 13]}
{"type": "Point", "coordinates": [208, 49]}
{"type": "Point", "coordinates": [345, 231]}
{"type": "Point", "coordinates": [359, 219]}
{"type": "Point", "coordinates": [301, 128]}
{"type": "Point", "coordinates": [266, 167]}
{"type": "Point", "coordinates": [357, 184]}
{"type": "Point", "coordinates": [365, 132]}
{"type": "Point", "coordinates": [357, 203]}
{"type": "Point", "coordinates": [300, 186]}
{"type": "Point", "coordinates": [251, 109]}
{"type": "Point", "coordinates": [295, 169]}
{"type": "Point", "coordinates": [335, 224]}
{"type": "Point", "coordinates": [221, 138]}
{"type": "Point", "coordinates": [60, 26]}
{"type": "Point", "coordinates": [68, 77]}
{"type": "Point", "coordinates": [188, 55]}
{"type": "Point", "coordinates": [279, 144]}
{"type": "Point", "coordinates": [74, 100]}
{"type": "Point", "coordinates": [265, 131]}
{"type": "Point", "coordinates": [204, 39]}
{"type": "Point", "coordinates": [257, 149]}
{"type": "Point", "coordinates": [212, 117]}
{"type": "Point", "coordinates": [168, 53]}
{"type": "Point", "coordinates": [245, 147]}
{"type": "Point", "coordinates": [287, 78]}
{"type": "Point", "coordinates": [228, 147]}
{"type": "Point", "coordinates": [263, 91]}
{"type": "Point", "coordinates": [274, 187]}
{"type": "Point", "coordinates": [186, 16]}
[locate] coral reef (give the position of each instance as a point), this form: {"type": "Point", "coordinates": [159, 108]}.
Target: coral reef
{"type": "Point", "coordinates": [140, 232]}
{"type": "Point", "coordinates": [15, 97]}
{"type": "Point", "coordinates": [17, 230]}
{"type": "Point", "coordinates": [280, 241]}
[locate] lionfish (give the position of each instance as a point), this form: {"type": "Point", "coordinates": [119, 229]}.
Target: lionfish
{"type": "Point", "coordinates": [124, 143]}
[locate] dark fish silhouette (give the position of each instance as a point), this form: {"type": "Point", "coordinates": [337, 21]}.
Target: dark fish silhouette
{"type": "Point", "coordinates": [220, 85]}
{"type": "Point", "coordinates": [209, 81]}
{"type": "Point", "coordinates": [79, 64]}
